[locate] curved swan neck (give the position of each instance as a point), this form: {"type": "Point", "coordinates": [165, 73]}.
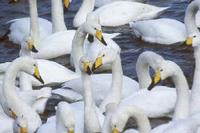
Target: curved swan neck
{"type": "Point", "coordinates": [77, 47]}
{"type": "Point", "coordinates": [14, 102]}
{"type": "Point", "coordinates": [86, 7]}
{"type": "Point", "coordinates": [141, 119]}
{"type": "Point", "coordinates": [145, 60]}
{"type": "Point", "coordinates": [182, 103]}
{"type": "Point", "coordinates": [190, 18]}
{"type": "Point", "coordinates": [92, 124]}
{"type": "Point", "coordinates": [142, 70]}
{"type": "Point", "coordinates": [57, 16]}
{"type": "Point", "coordinates": [34, 23]}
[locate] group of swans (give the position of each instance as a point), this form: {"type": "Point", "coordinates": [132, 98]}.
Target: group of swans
{"type": "Point", "coordinates": [127, 99]}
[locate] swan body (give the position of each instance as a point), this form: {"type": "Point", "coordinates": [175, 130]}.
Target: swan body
{"type": "Point", "coordinates": [99, 3]}
{"type": "Point", "coordinates": [161, 31]}
{"type": "Point", "coordinates": [118, 13]}
{"type": "Point", "coordinates": [129, 86]}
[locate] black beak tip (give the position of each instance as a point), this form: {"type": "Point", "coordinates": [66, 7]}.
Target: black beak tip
{"type": "Point", "coordinates": [104, 42]}
{"type": "Point", "coordinates": [150, 87]}
{"type": "Point", "coordinates": [89, 72]}
{"type": "Point", "coordinates": [34, 50]}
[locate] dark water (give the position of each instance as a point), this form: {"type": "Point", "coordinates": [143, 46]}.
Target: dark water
{"type": "Point", "coordinates": [131, 47]}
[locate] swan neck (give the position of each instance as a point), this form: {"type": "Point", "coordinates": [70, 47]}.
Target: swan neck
{"type": "Point", "coordinates": [57, 16]}
{"type": "Point", "coordinates": [142, 70]}
{"type": "Point", "coordinates": [92, 124]}
{"type": "Point", "coordinates": [182, 102]}
{"type": "Point", "coordinates": [77, 48]}
{"type": "Point", "coordinates": [86, 7]}
{"type": "Point", "coordinates": [34, 26]}
{"type": "Point", "coordinates": [190, 18]}
{"type": "Point", "coordinates": [195, 95]}
{"type": "Point", "coordinates": [141, 119]}
{"type": "Point", "coordinates": [117, 73]}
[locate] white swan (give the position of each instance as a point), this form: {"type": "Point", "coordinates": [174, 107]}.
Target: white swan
{"type": "Point", "coordinates": [20, 28]}
{"type": "Point", "coordinates": [117, 13]}
{"type": "Point", "coordinates": [143, 98]}
{"type": "Point", "coordinates": [121, 115]}
{"type": "Point", "coordinates": [64, 121]}
{"type": "Point", "coordinates": [99, 3]}
{"type": "Point", "coordinates": [181, 122]}
{"type": "Point", "coordinates": [161, 31]}
{"type": "Point", "coordinates": [193, 39]}
{"type": "Point", "coordinates": [15, 106]}
{"type": "Point", "coordinates": [129, 85]}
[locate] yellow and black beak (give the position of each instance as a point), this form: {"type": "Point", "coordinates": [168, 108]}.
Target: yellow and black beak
{"type": "Point", "coordinates": [189, 41]}
{"type": "Point", "coordinates": [115, 130]}
{"type": "Point", "coordinates": [32, 47]}
{"type": "Point", "coordinates": [99, 36]}
{"type": "Point", "coordinates": [66, 4]}
{"type": "Point", "coordinates": [23, 130]}
{"type": "Point", "coordinates": [86, 67]}
{"type": "Point", "coordinates": [13, 1]}
{"type": "Point", "coordinates": [37, 75]}
{"type": "Point", "coordinates": [155, 80]}
{"type": "Point", "coordinates": [98, 63]}
{"type": "Point", "coordinates": [13, 114]}
{"type": "Point", "coordinates": [71, 131]}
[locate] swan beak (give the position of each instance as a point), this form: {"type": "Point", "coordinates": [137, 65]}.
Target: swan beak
{"type": "Point", "coordinates": [99, 36]}
{"type": "Point", "coordinates": [66, 3]}
{"type": "Point", "coordinates": [23, 130]}
{"type": "Point", "coordinates": [115, 130]}
{"type": "Point", "coordinates": [71, 131]}
{"type": "Point", "coordinates": [13, 1]}
{"type": "Point", "coordinates": [37, 75]}
{"type": "Point", "coordinates": [32, 47]}
{"type": "Point", "coordinates": [189, 41]}
{"type": "Point", "coordinates": [98, 63]}
{"type": "Point", "coordinates": [155, 80]}
{"type": "Point", "coordinates": [13, 115]}
{"type": "Point", "coordinates": [86, 67]}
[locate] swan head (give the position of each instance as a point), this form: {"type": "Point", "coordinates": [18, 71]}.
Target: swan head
{"type": "Point", "coordinates": [106, 56]}
{"type": "Point", "coordinates": [30, 66]}
{"type": "Point", "coordinates": [65, 113]}
{"type": "Point", "coordinates": [166, 69]}
{"type": "Point", "coordinates": [85, 65]}
{"type": "Point", "coordinates": [29, 44]}
{"type": "Point", "coordinates": [193, 40]}
{"type": "Point", "coordinates": [20, 125]}
{"type": "Point", "coordinates": [93, 28]}
{"type": "Point", "coordinates": [67, 3]}
{"type": "Point", "coordinates": [118, 121]}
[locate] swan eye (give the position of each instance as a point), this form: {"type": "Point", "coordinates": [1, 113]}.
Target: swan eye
{"type": "Point", "coordinates": [194, 36]}
{"type": "Point", "coordinates": [103, 55]}
{"type": "Point", "coordinates": [161, 70]}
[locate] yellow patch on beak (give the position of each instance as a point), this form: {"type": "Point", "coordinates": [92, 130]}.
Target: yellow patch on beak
{"type": "Point", "coordinates": [66, 3]}
{"type": "Point", "coordinates": [98, 63]}
{"type": "Point", "coordinates": [31, 47]}
{"type": "Point", "coordinates": [86, 66]}
{"type": "Point", "coordinates": [37, 74]}
{"type": "Point", "coordinates": [115, 130]}
{"type": "Point", "coordinates": [71, 131]}
{"type": "Point", "coordinates": [13, 114]}
{"type": "Point", "coordinates": [23, 130]}
{"type": "Point", "coordinates": [98, 34]}
{"type": "Point", "coordinates": [156, 77]}
{"type": "Point", "coordinates": [189, 41]}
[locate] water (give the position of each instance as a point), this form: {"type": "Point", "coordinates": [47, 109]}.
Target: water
{"type": "Point", "coordinates": [131, 47]}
